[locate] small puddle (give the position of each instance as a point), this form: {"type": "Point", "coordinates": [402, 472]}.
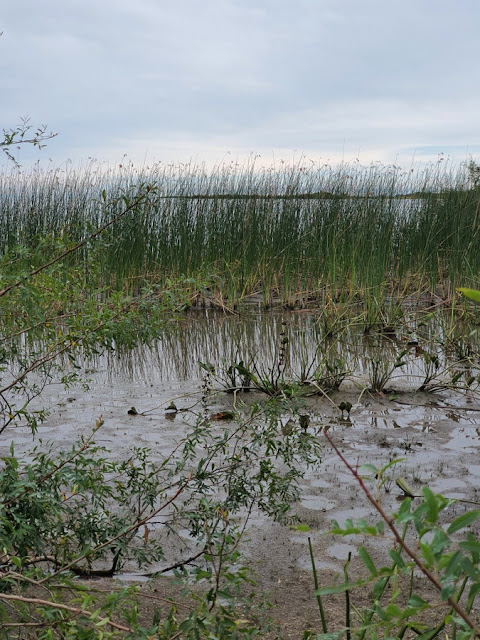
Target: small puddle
{"type": "Point", "coordinates": [340, 551]}
{"type": "Point", "coordinates": [131, 577]}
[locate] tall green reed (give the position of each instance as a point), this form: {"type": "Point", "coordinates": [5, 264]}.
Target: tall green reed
{"type": "Point", "coordinates": [290, 232]}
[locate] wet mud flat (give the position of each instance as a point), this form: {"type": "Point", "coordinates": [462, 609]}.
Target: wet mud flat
{"type": "Point", "coordinates": [436, 436]}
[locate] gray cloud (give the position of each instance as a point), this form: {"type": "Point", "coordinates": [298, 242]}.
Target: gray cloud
{"type": "Point", "coordinates": [330, 78]}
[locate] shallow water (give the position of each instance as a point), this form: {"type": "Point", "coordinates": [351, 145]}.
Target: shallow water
{"type": "Point", "coordinates": [436, 434]}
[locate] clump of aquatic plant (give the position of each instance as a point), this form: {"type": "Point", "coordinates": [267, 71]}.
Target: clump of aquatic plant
{"type": "Point", "coordinates": [268, 378]}
{"type": "Point", "coordinates": [256, 376]}
{"type": "Point", "coordinates": [328, 376]}
{"type": "Point", "coordinates": [325, 378]}
{"type": "Point", "coordinates": [234, 376]}
{"type": "Point", "coordinates": [307, 373]}
{"type": "Point", "coordinates": [431, 363]}
{"type": "Point", "coordinates": [449, 378]}
{"type": "Point", "coordinates": [381, 370]}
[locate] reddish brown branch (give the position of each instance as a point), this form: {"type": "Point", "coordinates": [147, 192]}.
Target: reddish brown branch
{"type": "Point", "coordinates": [391, 524]}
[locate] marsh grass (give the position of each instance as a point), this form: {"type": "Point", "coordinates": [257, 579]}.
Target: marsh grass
{"type": "Point", "coordinates": [289, 234]}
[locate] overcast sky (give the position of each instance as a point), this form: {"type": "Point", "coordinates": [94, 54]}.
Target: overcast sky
{"type": "Point", "coordinates": [378, 80]}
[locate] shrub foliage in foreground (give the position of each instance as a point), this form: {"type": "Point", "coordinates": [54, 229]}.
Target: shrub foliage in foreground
{"type": "Point", "coordinates": [428, 549]}
{"type": "Point", "coordinates": [79, 513]}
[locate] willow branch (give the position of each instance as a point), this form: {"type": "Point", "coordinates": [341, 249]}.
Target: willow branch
{"type": "Point", "coordinates": [64, 607]}
{"type": "Point", "coordinates": [401, 542]}
{"type": "Point", "coordinates": [133, 527]}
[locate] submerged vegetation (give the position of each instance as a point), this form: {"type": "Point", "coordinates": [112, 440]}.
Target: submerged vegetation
{"type": "Point", "coordinates": [294, 234]}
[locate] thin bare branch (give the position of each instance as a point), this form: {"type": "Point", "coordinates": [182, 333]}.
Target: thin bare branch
{"type": "Point", "coordinates": [56, 605]}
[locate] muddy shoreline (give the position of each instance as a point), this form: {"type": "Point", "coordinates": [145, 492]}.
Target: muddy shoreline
{"type": "Point", "coordinates": [437, 436]}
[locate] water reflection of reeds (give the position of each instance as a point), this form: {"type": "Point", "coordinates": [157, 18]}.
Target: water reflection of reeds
{"type": "Point", "coordinates": [223, 340]}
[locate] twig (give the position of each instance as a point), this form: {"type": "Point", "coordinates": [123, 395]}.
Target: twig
{"type": "Point", "coordinates": [64, 607]}
{"type": "Point", "coordinates": [315, 583]}
{"type": "Point", "coordinates": [181, 563]}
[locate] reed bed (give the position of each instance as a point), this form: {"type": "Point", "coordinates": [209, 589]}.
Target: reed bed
{"type": "Point", "coordinates": [294, 233]}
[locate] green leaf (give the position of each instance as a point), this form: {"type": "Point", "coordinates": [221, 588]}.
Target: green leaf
{"type": "Point", "coordinates": [455, 567]}
{"type": "Point", "coordinates": [404, 513]}
{"type": "Point", "coordinates": [470, 569]}
{"type": "Point", "coordinates": [440, 541]}
{"type": "Point", "coordinates": [367, 561]}
{"type": "Point", "coordinates": [339, 588]}
{"type": "Point", "coordinates": [369, 467]}
{"type": "Point", "coordinates": [390, 464]}
{"type": "Point", "coordinates": [379, 586]}
{"type": "Point", "coordinates": [417, 601]}
{"type": "Point", "coordinates": [393, 611]}
{"type": "Point", "coordinates": [302, 527]}
{"type": "Point", "coordinates": [427, 554]}
{"type": "Point", "coordinates": [448, 590]}
{"type": "Point", "coordinates": [432, 505]}
{"type": "Point", "coordinates": [424, 636]}
{"type": "Point", "coordinates": [351, 528]}
{"type": "Point", "coordinates": [464, 520]}
{"type": "Point", "coordinates": [397, 558]}
{"type": "Point", "coordinates": [472, 294]}
{"type": "Point", "coordinates": [456, 377]}
{"type": "Point", "coordinates": [403, 485]}
{"type": "Point", "coordinates": [207, 366]}
{"type": "Point", "coordinates": [474, 591]}
{"type": "Point", "coordinates": [471, 545]}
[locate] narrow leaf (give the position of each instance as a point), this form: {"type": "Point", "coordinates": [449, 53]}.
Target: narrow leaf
{"type": "Point", "coordinates": [464, 520]}
{"type": "Point", "coordinates": [391, 464]}
{"type": "Point", "coordinates": [397, 558]}
{"type": "Point", "coordinates": [339, 588]}
{"type": "Point", "coordinates": [431, 502]}
{"type": "Point", "coordinates": [367, 561]}
{"type": "Point", "coordinates": [404, 514]}
{"type": "Point", "coordinates": [417, 601]}
{"type": "Point", "coordinates": [472, 294]}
